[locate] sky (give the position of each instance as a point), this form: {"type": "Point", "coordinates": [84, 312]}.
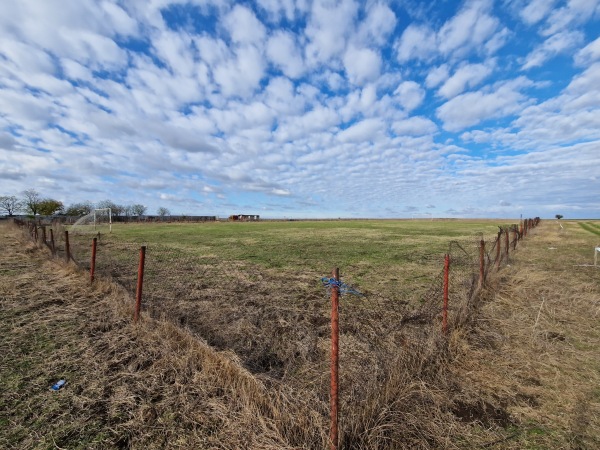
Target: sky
{"type": "Point", "coordinates": [305, 108]}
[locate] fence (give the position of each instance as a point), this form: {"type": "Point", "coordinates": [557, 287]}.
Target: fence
{"type": "Point", "coordinates": [286, 333]}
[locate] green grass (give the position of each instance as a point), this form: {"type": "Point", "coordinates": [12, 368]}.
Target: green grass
{"type": "Point", "coordinates": [592, 227]}
{"type": "Point", "coordinates": [313, 245]}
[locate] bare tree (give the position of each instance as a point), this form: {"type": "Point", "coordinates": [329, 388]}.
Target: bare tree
{"type": "Point", "coordinates": [10, 204]}
{"type": "Point", "coordinates": [162, 211]}
{"type": "Point", "coordinates": [138, 210]}
{"type": "Point", "coordinates": [32, 201]}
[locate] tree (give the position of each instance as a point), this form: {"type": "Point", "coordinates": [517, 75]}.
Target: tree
{"type": "Point", "coordinates": [559, 216]}
{"type": "Point", "coordinates": [32, 201]}
{"type": "Point", "coordinates": [79, 209]}
{"type": "Point", "coordinates": [49, 206]}
{"type": "Point", "coordinates": [10, 204]}
{"type": "Point", "coordinates": [138, 210]}
{"type": "Point", "coordinates": [116, 210]}
{"type": "Point", "coordinates": [162, 211]}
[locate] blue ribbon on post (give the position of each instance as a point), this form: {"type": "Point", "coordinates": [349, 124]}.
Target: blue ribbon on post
{"type": "Point", "coordinates": [342, 287]}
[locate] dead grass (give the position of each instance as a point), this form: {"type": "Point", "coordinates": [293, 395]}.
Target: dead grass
{"type": "Point", "coordinates": [520, 369]}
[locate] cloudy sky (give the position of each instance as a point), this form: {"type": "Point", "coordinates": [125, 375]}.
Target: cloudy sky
{"type": "Point", "coordinates": [302, 108]}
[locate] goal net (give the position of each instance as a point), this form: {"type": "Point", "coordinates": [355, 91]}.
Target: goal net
{"type": "Point", "coordinates": [99, 220]}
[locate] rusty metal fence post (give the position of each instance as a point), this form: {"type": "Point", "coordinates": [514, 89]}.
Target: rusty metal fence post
{"type": "Point", "coordinates": [67, 247]}
{"type": "Point", "coordinates": [93, 261]}
{"type": "Point", "coordinates": [44, 234]}
{"type": "Point", "coordinates": [335, 337]}
{"type": "Point", "coordinates": [140, 283]}
{"type": "Point", "coordinates": [446, 289]}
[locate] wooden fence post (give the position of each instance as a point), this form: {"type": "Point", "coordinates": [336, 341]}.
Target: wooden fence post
{"type": "Point", "coordinates": [498, 245]}
{"type": "Point", "coordinates": [67, 246]}
{"type": "Point", "coordinates": [93, 261]}
{"type": "Point", "coordinates": [140, 283]}
{"type": "Point", "coordinates": [52, 247]}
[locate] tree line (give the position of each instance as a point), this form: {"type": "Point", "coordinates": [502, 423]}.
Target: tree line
{"type": "Point", "coordinates": [32, 203]}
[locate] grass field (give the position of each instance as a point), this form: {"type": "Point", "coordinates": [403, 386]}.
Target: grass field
{"type": "Point", "coordinates": [522, 373]}
{"type": "Point", "coordinates": [314, 245]}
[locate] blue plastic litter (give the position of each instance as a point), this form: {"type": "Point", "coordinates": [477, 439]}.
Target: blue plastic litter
{"type": "Point", "coordinates": [343, 287]}
{"type": "Point", "coordinates": [59, 384]}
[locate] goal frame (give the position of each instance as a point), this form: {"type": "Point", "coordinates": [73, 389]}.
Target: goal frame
{"type": "Point", "coordinates": [109, 217]}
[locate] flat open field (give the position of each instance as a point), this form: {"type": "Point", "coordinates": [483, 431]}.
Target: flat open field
{"type": "Point", "coordinates": [242, 357]}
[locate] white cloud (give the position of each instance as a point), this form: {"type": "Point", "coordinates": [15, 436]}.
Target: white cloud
{"type": "Point", "coordinates": [362, 65]}
{"type": "Point", "coordinates": [410, 95]}
{"type": "Point", "coordinates": [467, 76]}
{"type": "Point", "coordinates": [284, 53]}
{"type": "Point", "coordinates": [588, 54]}
{"type": "Point", "coordinates": [469, 29]}
{"type": "Point", "coordinates": [378, 25]}
{"type": "Point", "coordinates": [278, 9]}
{"type": "Point", "coordinates": [472, 108]}
{"type": "Point", "coordinates": [573, 13]}
{"type": "Point", "coordinates": [414, 126]}
{"type": "Point", "coordinates": [536, 10]}
{"type": "Point", "coordinates": [554, 45]}
{"type": "Point", "coordinates": [363, 131]}
{"type": "Point", "coordinates": [416, 42]}
{"type": "Point", "coordinates": [437, 75]}
{"type": "Point", "coordinates": [241, 75]}
{"type": "Point", "coordinates": [243, 26]}
{"type": "Point", "coordinates": [328, 29]}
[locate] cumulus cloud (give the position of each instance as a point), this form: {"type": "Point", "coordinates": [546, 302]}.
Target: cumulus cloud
{"type": "Point", "coordinates": [362, 65]}
{"type": "Point", "coordinates": [410, 95]}
{"type": "Point", "coordinates": [467, 76]}
{"type": "Point", "coordinates": [284, 53]}
{"type": "Point", "coordinates": [414, 126]}
{"type": "Point", "coordinates": [274, 91]}
{"type": "Point", "coordinates": [416, 42]}
{"type": "Point", "coordinates": [471, 108]}
{"type": "Point", "coordinates": [554, 45]}
{"type": "Point", "coordinates": [588, 54]}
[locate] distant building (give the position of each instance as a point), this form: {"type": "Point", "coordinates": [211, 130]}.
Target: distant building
{"type": "Point", "coordinates": [244, 218]}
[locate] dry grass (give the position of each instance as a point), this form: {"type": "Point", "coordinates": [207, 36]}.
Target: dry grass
{"type": "Point", "coordinates": [520, 369]}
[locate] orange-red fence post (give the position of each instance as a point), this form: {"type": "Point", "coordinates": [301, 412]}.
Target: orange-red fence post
{"type": "Point", "coordinates": [140, 283]}
{"type": "Point", "coordinates": [67, 247]}
{"type": "Point", "coordinates": [516, 237]}
{"type": "Point", "coordinates": [481, 263]}
{"type": "Point", "coordinates": [93, 261]}
{"type": "Point", "coordinates": [335, 363]}
{"type": "Point", "coordinates": [446, 283]}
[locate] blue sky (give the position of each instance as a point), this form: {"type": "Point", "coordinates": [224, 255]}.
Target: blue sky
{"type": "Point", "coordinates": [299, 108]}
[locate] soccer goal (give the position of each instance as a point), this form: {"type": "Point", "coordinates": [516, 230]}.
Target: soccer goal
{"type": "Point", "coordinates": [98, 220]}
{"type": "Point", "coordinates": [103, 216]}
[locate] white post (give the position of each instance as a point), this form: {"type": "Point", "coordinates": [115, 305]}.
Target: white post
{"type": "Point", "coordinates": [596, 251]}
{"type": "Point", "coordinates": [94, 219]}
{"type": "Point", "coordinates": [109, 220]}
